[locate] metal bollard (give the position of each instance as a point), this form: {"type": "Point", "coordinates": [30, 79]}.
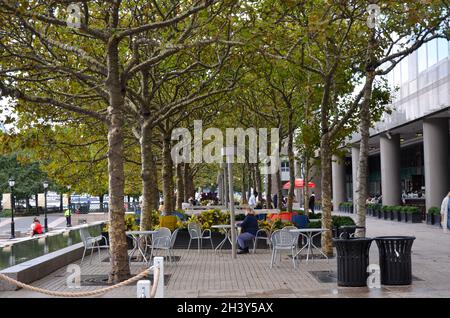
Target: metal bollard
{"type": "Point", "coordinates": [143, 289]}
{"type": "Point", "coordinates": [159, 261]}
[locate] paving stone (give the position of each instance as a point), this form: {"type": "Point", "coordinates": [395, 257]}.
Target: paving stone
{"type": "Point", "coordinates": [216, 274]}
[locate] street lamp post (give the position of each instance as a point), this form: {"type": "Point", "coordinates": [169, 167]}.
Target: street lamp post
{"type": "Point", "coordinates": [68, 189]}
{"type": "Point", "coordinates": [12, 183]}
{"type": "Point", "coordinates": [228, 152]}
{"type": "Point", "coordinates": [45, 184]}
{"type": "Point", "coordinates": [69, 216]}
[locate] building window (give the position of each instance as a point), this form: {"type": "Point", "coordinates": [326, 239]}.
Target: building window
{"type": "Point", "coordinates": [422, 58]}
{"type": "Point", "coordinates": [442, 45]}
{"type": "Point", "coordinates": [432, 52]}
{"type": "Point", "coordinates": [405, 72]}
{"type": "Point", "coordinates": [284, 166]}
{"type": "Point", "coordinates": [397, 75]}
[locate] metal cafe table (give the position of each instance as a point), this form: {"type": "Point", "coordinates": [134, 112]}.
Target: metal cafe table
{"type": "Point", "coordinates": [309, 235]}
{"type": "Point", "coordinates": [137, 236]}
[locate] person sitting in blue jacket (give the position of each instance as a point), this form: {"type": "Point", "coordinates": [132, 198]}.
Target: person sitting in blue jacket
{"type": "Point", "coordinates": [249, 227]}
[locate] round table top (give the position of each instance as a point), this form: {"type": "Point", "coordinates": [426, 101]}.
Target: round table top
{"type": "Point", "coordinates": [140, 232]}
{"type": "Point", "coordinates": [222, 226]}
{"type": "Point", "coordinates": [312, 230]}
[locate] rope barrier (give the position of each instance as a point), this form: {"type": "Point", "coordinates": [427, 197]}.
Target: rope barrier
{"type": "Point", "coordinates": [156, 272]}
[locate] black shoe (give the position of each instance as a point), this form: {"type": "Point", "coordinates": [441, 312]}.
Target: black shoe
{"type": "Point", "coordinates": [244, 251]}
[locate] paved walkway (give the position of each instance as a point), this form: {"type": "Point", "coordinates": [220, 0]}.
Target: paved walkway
{"type": "Point", "coordinates": [210, 274]}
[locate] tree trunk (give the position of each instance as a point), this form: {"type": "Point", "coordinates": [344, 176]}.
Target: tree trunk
{"type": "Point", "coordinates": [325, 154]}
{"type": "Point", "coordinates": [37, 204]}
{"type": "Point", "coordinates": [180, 186]}
{"type": "Point", "coordinates": [188, 180]}
{"type": "Point", "coordinates": [167, 176]}
{"type": "Point", "coordinates": [364, 127]}
{"type": "Point", "coordinates": [27, 204]}
{"type": "Point", "coordinates": [258, 180]}
{"type": "Point", "coordinates": [185, 183]}
{"type": "Point", "coordinates": [101, 202]}
{"type": "Point", "coordinates": [244, 184]}
{"type": "Point", "coordinates": [290, 149]}
{"type": "Point", "coordinates": [280, 190]}
{"type": "Point", "coordinates": [269, 191]}
{"type": "Point", "coordinates": [250, 180]}
{"type": "Point", "coordinates": [149, 181]}
{"type": "Point", "coordinates": [305, 188]}
{"type": "Point", "coordinates": [254, 182]}
{"type": "Point", "coordinates": [120, 269]}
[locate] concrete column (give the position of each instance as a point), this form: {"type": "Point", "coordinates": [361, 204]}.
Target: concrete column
{"type": "Point", "coordinates": [355, 165]}
{"type": "Point", "coordinates": [436, 156]}
{"type": "Point", "coordinates": [391, 188]}
{"type": "Point", "coordinates": [338, 180]}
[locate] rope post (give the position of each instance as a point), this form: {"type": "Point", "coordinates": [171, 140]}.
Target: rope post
{"type": "Point", "coordinates": [159, 262]}
{"type": "Point", "coordinates": [143, 289]}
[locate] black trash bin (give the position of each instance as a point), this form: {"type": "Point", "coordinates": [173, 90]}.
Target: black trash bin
{"type": "Point", "coordinates": [395, 259]}
{"type": "Point", "coordinates": [347, 231]}
{"type": "Point", "coordinates": [352, 261]}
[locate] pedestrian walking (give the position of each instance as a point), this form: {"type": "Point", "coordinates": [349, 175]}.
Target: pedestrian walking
{"type": "Point", "coordinates": [68, 215]}
{"type": "Point", "coordinates": [312, 202]}
{"type": "Point", "coordinates": [445, 211]}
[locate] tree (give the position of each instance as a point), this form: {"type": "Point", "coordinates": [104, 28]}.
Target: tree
{"type": "Point", "coordinates": [41, 53]}
{"type": "Point", "coordinates": [390, 39]}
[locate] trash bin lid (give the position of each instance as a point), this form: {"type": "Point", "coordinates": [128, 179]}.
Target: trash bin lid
{"type": "Point", "coordinates": [391, 238]}
{"type": "Point", "coordinates": [352, 239]}
{"type": "Point", "coordinates": [351, 227]}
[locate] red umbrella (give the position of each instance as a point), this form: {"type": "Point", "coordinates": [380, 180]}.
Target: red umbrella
{"type": "Point", "coordinates": [299, 183]}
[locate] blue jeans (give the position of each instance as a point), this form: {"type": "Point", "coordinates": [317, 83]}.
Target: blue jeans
{"type": "Point", "coordinates": [243, 237]}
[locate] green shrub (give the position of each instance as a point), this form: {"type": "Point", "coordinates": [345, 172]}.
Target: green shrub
{"type": "Point", "coordinates": [341, 220]}
{"type": "Point", "coordinates": [314, 225]}
{"type": "Point", "coordinates": [130, 224]}
{"type": "Point", "coordinates": [413, 210]}
{"type": "Point", "coordinates": [315, 216]}
{"type": "Point", "coordinates": [209, 218]}
{"type": "Point", "coordinates": [405, 209]}
{"type": "Point", "coordinates": [278, 224]}
{"type": "Point", "coordinates": [264, 224]}
{"type": "Point", "coordinates": [434, 210]}
{"type": "Point", "coordinates": [6, 213]}
{"type": "Point", "coordinates": [397, 208]}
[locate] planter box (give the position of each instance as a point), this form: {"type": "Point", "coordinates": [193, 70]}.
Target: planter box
{"type": "Point", "coordinates": [380, 214]}
{"type": "Point", "coordinates": [414, 218]}
{"type": "Point", "coordinates": [375, 213]}
{"type": "Point", "coordinates": [437, 220]}
{"type": "Point", "coordinates": [397, 216]}
{"type": "Point", "coordinates": [386, 215]}
{"type": "Point", "coordinates": [433, 219]}
{"type": "Point", "coordinates": [403, 216]}
{"type": "Point", "coordinates": [392, 215]}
